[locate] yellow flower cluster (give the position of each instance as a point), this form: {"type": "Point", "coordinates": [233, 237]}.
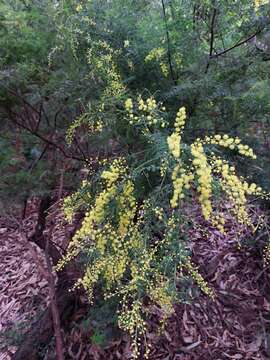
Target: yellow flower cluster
{"type": "Point", "coordinates": [121, 239]}
{"type": "Point", "coordinates": [174, 144]}
{"type": "Point", "coordinates": [72, 202]}
{"type": "Point", "coordinates": [150, 104]}
{"type": "Point", "coordinates": [130, 319]}
{"type": "Point", "coordinates": [72, 129]}
{"type": "Point", "coordinates": [141, 265]}
{"type": "Point", "coordinates": [126, 43]}
{"type": "Point", "coordinates": [174, 139]}
{"type": "Point", "coordinates": [163, 166]}
{"type": "Point", "coordinates": [145, 112]}
{"type": "Point", "coordinates": [115, 86]}
{"type": "Point", "coordinates": [129, 105]}
{"type": "Point", "coordinates": [164, 68]}
{"type": "Point", "coordinates": [235, 188]}
{"type": "Point", "coordinates": [159, 212]}
{"type": "Point", "coordinates": [218, 221]}
{"type": "Point", "coordinates": [90, 278]}
{"type": "Point", "coordinates": [197, 277]}
{"type": "Point", "coordinates": [180, 120]}
{"type": "Point", "coordinates": [102, 58]}
{"type": "Point", "coordinates": [170, 230]}
{"type": "Point", "coordinates": [230, 143]}
{"type": "Point", "coordinates": [231, 184]}
{"type": "Point", "coordinates": [96, 127]}
{"type": "Point", "coordinates": [258, 3]}
{"type": "Point", "coordinates": [181, 180]}
{"type": "Point", "coordinates": [115, 241]}
{"type": "Point", "coordinates": [115, 267]}
{"type": "Point", "coordinates": [128, 206]}
{"type": "Point", "coordinates": [203, 172]}
{"type": "Point", "coordinates": [160, 295]}
{"type": "Point", "coordinates": [95, 216]}
{"type": "Point", "coordinates": [79, 7]}
{"type": "Point", "coordinates": [266, 253]}
{"type": "Point", "coordinates": [155, 54]}
{"type": "Point", "coordinates": [115, 171]}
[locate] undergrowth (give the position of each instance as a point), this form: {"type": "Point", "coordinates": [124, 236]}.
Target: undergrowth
{"type": "Point", "coordinates": [132, 237]}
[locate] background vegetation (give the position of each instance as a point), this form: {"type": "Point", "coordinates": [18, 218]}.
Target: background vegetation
{"type": "Point", "coordinates": [71, 74]}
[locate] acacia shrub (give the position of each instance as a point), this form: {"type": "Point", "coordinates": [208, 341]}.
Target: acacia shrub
{"type": "Point", "coordinates": [134, 236]}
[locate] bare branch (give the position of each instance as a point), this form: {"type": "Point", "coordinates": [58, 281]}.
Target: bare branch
{"type": "Point", "coordinates": [239, 43]}
{"type": "Point", "coordinates": [13, 117]}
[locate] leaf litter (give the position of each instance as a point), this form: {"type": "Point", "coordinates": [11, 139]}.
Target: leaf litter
{"type": "Point", "coordinates": [236, 325]}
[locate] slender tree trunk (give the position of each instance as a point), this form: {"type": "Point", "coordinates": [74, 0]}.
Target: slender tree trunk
{"type": "Point", "coordinates": [169, 53]}
{"type": "Point", "coordinates": [59, 349]}
{"type": "Point", "coordinates": [212, 37]}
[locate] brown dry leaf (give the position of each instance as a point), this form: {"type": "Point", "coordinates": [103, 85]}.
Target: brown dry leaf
{"type": "Point", "coordinates": [188, 339]}
{"type": "Point", "coordinates": [236, 356]}
{"type": "Point", "coordinates": [255, 345]}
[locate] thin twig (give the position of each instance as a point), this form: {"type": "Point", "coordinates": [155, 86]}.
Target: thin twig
{"type": "Point", "coordinates": [239, 43]}
{"type": "Point", "coordinates": [41, 137]}
{"type": "Point", "coordinates": [34, 163]}
{"type": "Point", "coordinates": [79, 148]}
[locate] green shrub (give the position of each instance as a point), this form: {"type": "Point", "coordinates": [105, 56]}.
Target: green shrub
{"type": "Point", "coordinates": [134, 234]}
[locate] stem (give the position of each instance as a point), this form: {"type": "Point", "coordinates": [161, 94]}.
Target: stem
{"type": "Point", "coordinates": [239, 43]}
{"type": "Point", "coordinates": [169, 54]}
{"type": "Point", "coordinates": [212, 38]}
{"type": "Point", "coordinates": [54, 308]}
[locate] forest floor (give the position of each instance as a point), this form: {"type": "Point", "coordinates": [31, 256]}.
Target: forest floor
{"type": "Point", "coordinates": [236, 325]}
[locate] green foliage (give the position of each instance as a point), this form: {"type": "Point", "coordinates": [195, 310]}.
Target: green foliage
{"type": "Point", "coordinates": [98, 338]}
{"type": "Point", "coordinates": [95, 68]}
{"type": "Point", "coordinates": [22, 42]}
{"type": "Point", "coordinates": [133, 238]}
{"type": "Point", "coordinates": [31, 173]}
{"type": "Point", "coordinates": [13, 337]}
